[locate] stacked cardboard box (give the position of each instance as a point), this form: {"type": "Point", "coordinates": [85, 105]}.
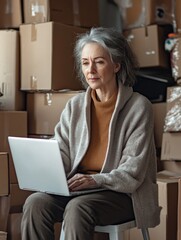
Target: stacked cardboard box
{"type": "Point", "coordinates": [44, 111]}
{"type": "Point", "coordinates": [68, 12]}
{"type": "Point", "coordinates": [11, 96]}
{"type": "Point", "coordinates": [146, 25]}
{"type": "Point", "coordinates": [146, 29]}
{"type": "Point", "coordinates": [168, 200]}
{"type": "Point", "coordinates": [47, 56]}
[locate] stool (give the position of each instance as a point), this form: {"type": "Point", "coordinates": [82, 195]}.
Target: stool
{"type": "Point", "coordinates": [116, 231]}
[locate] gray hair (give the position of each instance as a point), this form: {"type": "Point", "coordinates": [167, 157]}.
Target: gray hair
{"type": "Point", "coordinates": [118, 48]}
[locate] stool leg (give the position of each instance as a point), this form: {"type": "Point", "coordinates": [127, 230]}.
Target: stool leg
{"type": "Point", "coordinates": [116, 235]}
{"type": "Point", "coordinates": [145, 234]}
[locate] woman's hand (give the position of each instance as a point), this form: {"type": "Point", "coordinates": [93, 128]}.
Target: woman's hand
{"type": "Point", "coordinates": [81, 181]}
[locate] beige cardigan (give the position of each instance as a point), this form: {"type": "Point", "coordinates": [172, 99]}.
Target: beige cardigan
{"type": "Point", "coordinates": [130, 162]}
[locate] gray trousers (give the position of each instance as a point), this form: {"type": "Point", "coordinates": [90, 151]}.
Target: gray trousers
{"type": "Point", "coordinates": [80, 214]}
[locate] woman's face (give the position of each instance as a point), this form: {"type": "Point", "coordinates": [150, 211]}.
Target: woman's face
{"type": "Point", "coordinates": [98, 68]}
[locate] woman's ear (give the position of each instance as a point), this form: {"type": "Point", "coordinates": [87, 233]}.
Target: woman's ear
{"type": "Point", "coordinates": [117, 67]}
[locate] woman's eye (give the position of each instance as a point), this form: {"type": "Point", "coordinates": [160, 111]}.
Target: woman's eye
{"type": "Point", "coordinates": [85, 63]}
{"type": "Point", "coordinates": [99, 62]}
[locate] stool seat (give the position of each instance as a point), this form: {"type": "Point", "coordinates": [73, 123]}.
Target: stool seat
{"type": "Point", "coordinates": [116, 232]}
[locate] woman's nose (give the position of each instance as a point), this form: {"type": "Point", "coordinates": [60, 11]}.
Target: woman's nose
{"type": "Point", "coordinates": [91, 67]}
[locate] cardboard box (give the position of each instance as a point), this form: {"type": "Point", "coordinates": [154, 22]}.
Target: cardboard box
{"type": "Point", "coordinates": [4, 212]}
{"type": "Point", "coordinates": [139, 13]}
{"type": "Point", "coordinates": [64, 11]}
{"type": "Point", "coordinates": [47, 61]}
{"type": "Point", "coordinates": [171, 149]}
{"type": "Point", "coordinates": [17, 198]}
{"type": "Point", "coordinates": [159, 111]}
{"type": "Point", "coordinates": [173, 113]}
{"type": "Point", "coordinates": [4, 174]}
{"type": "Point", "coordinates": [148, 45]}
{"type": "Point", "coordinates": [12, 98]}
{"type": "Point", "coordinates": [168, 199]}
{"type": "Point", "coordinates": [14, 226]}
{"type": "Point", "coordinates": [44, 110]}
{"type": "Point", "coordinates": [10, 14]}
{"type": "Point", "coordinates": [12, 123]}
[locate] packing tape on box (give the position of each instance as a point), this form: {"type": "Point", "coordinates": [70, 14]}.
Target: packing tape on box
{"type": "Point", "coordinates": [33, 82]}
{"type": "Point", "coordinates": [48, 99]}
{"type": "Point", "coordinates": [33, 33]}
{"type": "Point", "coordinates": [76, 12]}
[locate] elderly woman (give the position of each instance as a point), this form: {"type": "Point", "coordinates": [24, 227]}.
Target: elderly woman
{"type": "Point", "coordinates": [106, 139]}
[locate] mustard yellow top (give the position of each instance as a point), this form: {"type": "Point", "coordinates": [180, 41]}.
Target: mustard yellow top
{"type": "Point", "coordinates": [101, 113]}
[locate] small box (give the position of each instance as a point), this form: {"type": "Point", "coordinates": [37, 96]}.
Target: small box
{"type": "Point", "coordinates": [148, 45]}
{"type": "Point", "coordinates": [44, 110]}
{"type": "Point", "coordinates": [10, 14]}
{"type": "Point", "coordinates": [12, 99]}
{"type": "Point", "coordinates": [47, 61]}
{"type": "Point", "coordinates": [171, 146]}
{"type": "Point", "coordinates": [4, 174]}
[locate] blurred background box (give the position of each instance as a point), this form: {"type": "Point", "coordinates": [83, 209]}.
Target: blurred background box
{"type": "Point", "coordinates": [12, 123]}
{"type": "Point", "coordinates": [12, 98]}
{"type": "Point", "coordinates": [47, 61]}
{"type": "Point", "coordinates": [4, 212]}
{"type": "Point", "coordinates": [64, 11]}
{"type": "Point", "coordinates": [4, 174]}
{"type": "Point", "coordinates": [139, 13]}
{"type": "Point", "coordinates": [10, 14]}
{"type": "Point", "coordinates": [44, 110]}
{"type": "Point", "coordinates": [14, 226]}
{"type": "Point", "coordinates": [171, 146]}
{"type": "Point", "coordinates": [148, 45]}
{"type": "Point", "coordinates": [17, 198]}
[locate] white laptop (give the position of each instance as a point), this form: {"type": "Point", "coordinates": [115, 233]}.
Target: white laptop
{"type": "Point", "coordinates": [39, 167]}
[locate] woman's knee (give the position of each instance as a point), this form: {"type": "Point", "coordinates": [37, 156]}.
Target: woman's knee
{"type": "Point", "coordinates": [77, 208]}
{"type": "Point", "coordinates": [35, 202]}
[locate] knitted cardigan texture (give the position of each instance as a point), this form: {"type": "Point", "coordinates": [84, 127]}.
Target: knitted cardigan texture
{"type": "Point", "coordinates": [130, 161]}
